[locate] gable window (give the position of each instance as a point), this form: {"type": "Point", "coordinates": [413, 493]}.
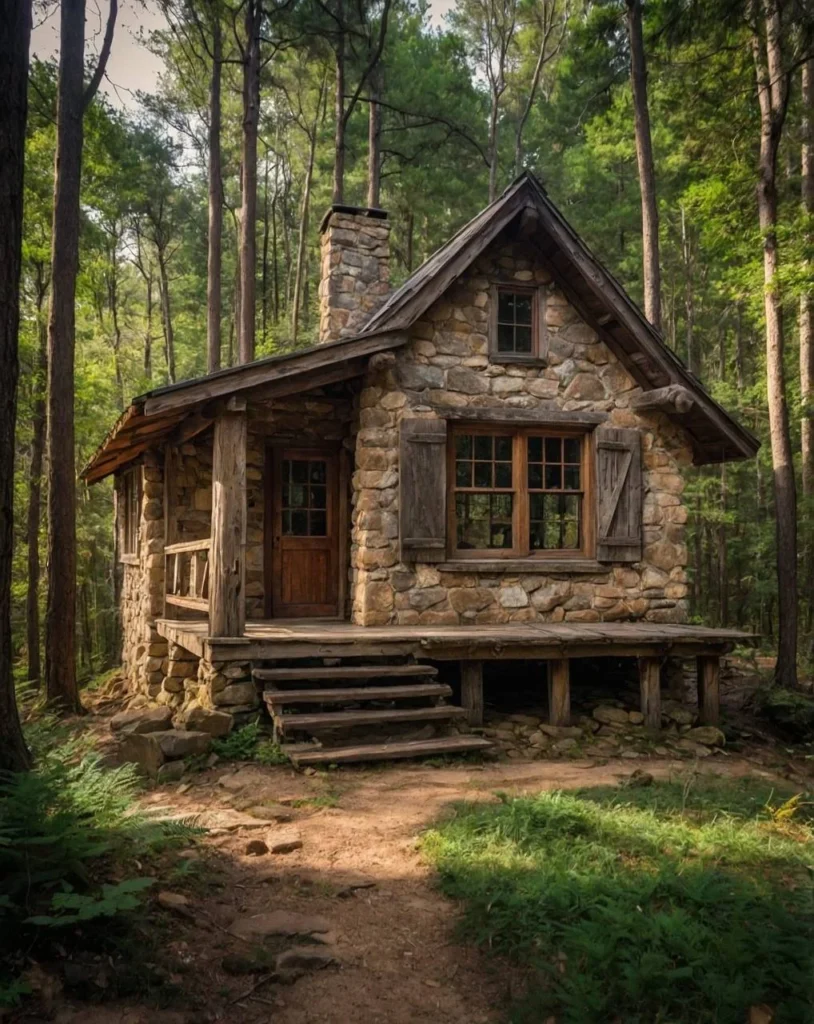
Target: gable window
{"type": "Point", "coordinates": [517, 332]}
{"type": "Point", "coordinates": [131, 511]}
{"type": "Point", "coordinates": [517, 492]}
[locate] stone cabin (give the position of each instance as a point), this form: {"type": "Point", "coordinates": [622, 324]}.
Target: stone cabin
{"type": "Point", "coordinates": [487, 462]}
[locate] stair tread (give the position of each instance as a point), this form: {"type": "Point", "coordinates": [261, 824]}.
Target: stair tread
{"type": "Point", "coordinates": [391, 751]}
{"type": "Point", "coordinates": [339, 694]}
{"type": "Point", "coordinates": [344, 672]}
{"type": "Point", "coordinates": [344, 719]}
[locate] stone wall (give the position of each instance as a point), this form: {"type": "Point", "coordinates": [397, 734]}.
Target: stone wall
{"type": "Point", "coordinates": [142, 579]}
{"type": "Point", "coordinates": [447, 365]}
{"type": "Point", "coordinates": [355, 270]}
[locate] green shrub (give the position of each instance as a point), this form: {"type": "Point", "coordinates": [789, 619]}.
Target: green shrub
{"type": "Point", "coordinates": [269, 753]}
{"type": "Point", "coordinates": [68, 832]}
{"type": "Point", "coordinates": [792, 711]}
{"type": "Point", "coordinates": [239, 744]}
{"type": "Point", "coordinates": [663, 904]}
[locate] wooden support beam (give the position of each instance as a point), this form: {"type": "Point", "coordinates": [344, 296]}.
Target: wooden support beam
{"type": "Point", "coordinates": [674, 398]}
{"type": "Point", "coordinates": [227, 591]}
{"type": "Point", "coordinates": [650, 683]}
{"type": "Point", "coordinates": [559, 692]}
{"type": "Point", "coordinates": [472, 691]}
{"type": "Point", "coordinates": [709, 670]}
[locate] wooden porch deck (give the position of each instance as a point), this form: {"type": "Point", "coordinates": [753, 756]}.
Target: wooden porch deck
{"type": "Point", "coordinates": [294, 638]}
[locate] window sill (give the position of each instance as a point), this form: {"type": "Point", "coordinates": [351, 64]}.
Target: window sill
{"type": "Point", "coordinates": [530, 565]}
{"type": "Point", "coordinates": [508, 357]}
{"type": "Point", "coordinates": [129, 559]}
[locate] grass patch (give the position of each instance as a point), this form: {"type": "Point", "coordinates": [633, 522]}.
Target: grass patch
{"type": "Point", "coordinates": [673, 904]}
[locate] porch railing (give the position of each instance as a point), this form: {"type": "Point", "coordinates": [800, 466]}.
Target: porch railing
{"type": "Point", "coordinates": [186, 574]}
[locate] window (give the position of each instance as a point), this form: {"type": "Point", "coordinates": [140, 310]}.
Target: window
{"type": "Point", "coordinates": [518, 492]}
{"type": "Point", "coordinates": [304, 498]}
{"type": "Point", "coordinates": [131, 511]}
{"type": "Point", "coordinates": [518, 331]}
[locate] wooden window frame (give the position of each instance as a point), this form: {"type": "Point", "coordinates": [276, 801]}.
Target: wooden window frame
{"type": "Point", "coordinates": [130, 496]}
{"type": "Point", "coordinates": [539, 330]}
{"type": "Point", "coordinates": [521, 504]}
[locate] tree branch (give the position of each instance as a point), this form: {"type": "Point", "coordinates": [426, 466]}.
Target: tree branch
{"type": "Point", "coordinates": [104, 53]}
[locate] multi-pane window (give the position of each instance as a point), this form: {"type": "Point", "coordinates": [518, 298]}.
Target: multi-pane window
{"type": "Point", "coordinates": [304, 498]}
{"type": "Point", "coordinates": [517, 331]}
{"type": "Point", "coordinates": [555, 493]}
{"type": "Point", "coordinates": [517, 492]}
{"type": "Point", "coordinates": [483, 491]}
{"type": "Point", "coordinates": [515, 322]}
{"type": "Point", "coordinates": [131, 509]}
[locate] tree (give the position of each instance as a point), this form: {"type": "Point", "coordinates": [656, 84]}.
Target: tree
{"type": "Point", "coordinates": [215, 232]}
{"type": "Point", "coordinates": [647, 170]}
{"type": "Point", "coordinates": [807, 313]}
{"type": "Point", "coordinates": [248, 210]}
{"type": "Point", "coordinates": [73, 97]}
{"type": "Point", "coordinates": [773, 84]}
{"type": "Point", "coordinates": [489, 27]}
{"type": "Point", "coordinates": [15, 18]}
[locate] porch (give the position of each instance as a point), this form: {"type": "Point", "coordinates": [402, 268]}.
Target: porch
{"type": "Point", "coordinates": [554, 643]}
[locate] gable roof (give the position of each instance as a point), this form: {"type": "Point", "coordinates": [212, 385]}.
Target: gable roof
{"type": "Point", "coordinates": [594, 292]}
{"type": "Point", "coordinates": [591, 289]}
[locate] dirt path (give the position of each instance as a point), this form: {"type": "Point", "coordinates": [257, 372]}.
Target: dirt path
{"type": "Point", "coordinates": [399, 961]}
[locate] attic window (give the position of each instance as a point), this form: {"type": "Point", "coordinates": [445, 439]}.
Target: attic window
{"type": "Point", "coordinates": [517, 331]}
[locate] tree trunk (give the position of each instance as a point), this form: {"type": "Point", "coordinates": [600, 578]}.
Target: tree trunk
{"type": "Point", "coordinates": [807, 336]}
{"type": "Point", "coordinates": [689, 294]}
{"type": "Point", "coordinates": [647, 172]}
{"type": "Point", "coordinates": [72, 99]}
{"type": "Point", "coordinates": [303, 235]}
{"type": "Point", "coordinates": [275, 272]}
{"type": "Point", "coordinates": [166, 315]}
{"type": "Point", "coordinates": [148, 334]}
{"type": "Point", "coordinates": [60, 618]}
{"type": "Point", "coordinates": [374, 143]}
{"type": "Point", "coordinates": [15, 17]}
{"type": "Point", "coordinates": [248, 213]}
{"type": "Point", "coordinates": [771, 90]}
{"type": "Point", "coordinates": [492, 145]}
{"type": "Point", "coordinates": [215, 232]}
{"type": "Point", "coordinates": [264, 273]}
{"type": "Point", "coordinates": [32, 598]}
{"type": "Point", "coordinates": [339, 111]}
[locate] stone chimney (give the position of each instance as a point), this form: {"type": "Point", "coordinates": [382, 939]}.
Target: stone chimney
{"type": "Point", "coordinates": [355, 270]}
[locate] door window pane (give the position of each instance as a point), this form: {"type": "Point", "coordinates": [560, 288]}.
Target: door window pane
{"type": "Point", "coordinates": [304, 497]}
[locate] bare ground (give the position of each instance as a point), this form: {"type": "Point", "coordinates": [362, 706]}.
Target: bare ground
{"type": "Point", "coordinates": [399, 959]}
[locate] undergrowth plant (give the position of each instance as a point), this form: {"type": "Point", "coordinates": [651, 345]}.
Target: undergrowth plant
{"type": "Point", "coordinates": [74, 850]}
{"type": "Point", "coordinates": [673, 904]}
{"type": "Point", "coordinates": [249, 744]}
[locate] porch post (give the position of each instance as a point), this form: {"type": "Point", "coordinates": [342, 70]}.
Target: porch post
{"type": "Point", "coordinates": [709, 670]}
{"type": "Point", "coordinates": [650, 684]}
{"type": "Point", "coordinates": [227, 591]}
{"type": "Point", "coordinates": [472, 691]}
{"type": "Point", "coordinates": [559, 692]}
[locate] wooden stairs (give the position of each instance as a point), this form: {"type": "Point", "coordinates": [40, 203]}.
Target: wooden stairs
{"type": "Point", "coordinates": [385, 703]}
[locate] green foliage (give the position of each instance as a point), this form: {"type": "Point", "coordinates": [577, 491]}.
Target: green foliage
{"type": "Point", "coordinates": [73, 907]}
{"type": "Point", "coordinates": [791, 710]}
{"type": "Point", "coordinates": [674, 902]}
{"type": "Point", "coordinates": [269, 753]}
{"type": "Point", "coordinates": [248, 744]}
{"type": "Point", "coordinates": [72, 848]}
{"type": "Point", "coordinates": [239, 744]}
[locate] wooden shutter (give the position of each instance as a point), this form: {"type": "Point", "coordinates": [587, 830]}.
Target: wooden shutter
{"type": "Point", "coordinates": [619, 495]}
{"type": "Point", "coordinates": [423, 490]}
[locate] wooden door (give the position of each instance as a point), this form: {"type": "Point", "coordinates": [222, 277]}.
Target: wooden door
{"type": "Point", "coordinates": [304, 533]}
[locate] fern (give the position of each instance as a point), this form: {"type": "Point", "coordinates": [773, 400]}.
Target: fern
{"type": "Point", "coordinates": [76, 906]}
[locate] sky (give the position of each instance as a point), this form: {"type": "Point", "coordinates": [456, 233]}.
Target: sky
{"type": "Point", "coordinates": [131, 66]}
